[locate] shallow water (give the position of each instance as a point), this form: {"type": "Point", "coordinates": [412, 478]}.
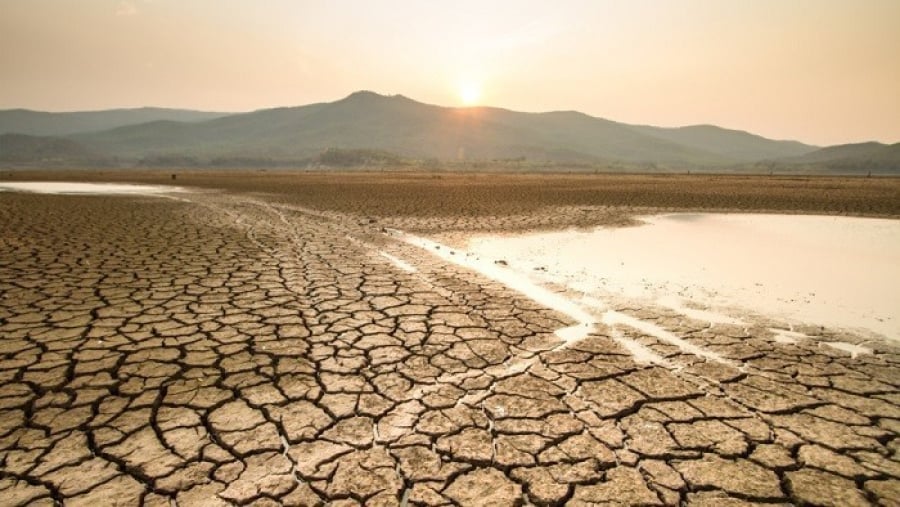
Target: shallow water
{"type": "Point", "coordinates": [837, 272]}
{"type": "Point", "coordinates": [61, 187]}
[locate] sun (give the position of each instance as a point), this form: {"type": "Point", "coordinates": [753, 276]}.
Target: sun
{"type": "Point", "coordinates": [469, 93]}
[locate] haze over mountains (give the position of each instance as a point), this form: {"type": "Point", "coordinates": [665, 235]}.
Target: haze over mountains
{"type": "Point", "coordinates": [368, 128]}
{"type": "Point", "coordinates": [39, 123]}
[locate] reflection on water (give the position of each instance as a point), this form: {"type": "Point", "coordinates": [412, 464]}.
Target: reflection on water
{"type": "Point", "coordinates": [60, 187]}
{"type": "Point", "coordinates": [686, 217]}
{"type": "Point", "coordinates": [833, 271]}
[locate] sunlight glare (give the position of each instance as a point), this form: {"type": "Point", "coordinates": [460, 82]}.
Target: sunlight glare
{"type": "Point", "coordinates": [469, 93]}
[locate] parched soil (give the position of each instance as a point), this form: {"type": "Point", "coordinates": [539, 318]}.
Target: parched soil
{"type": "Point", "coordinates": [262, 346]}
{"type": "Point", "coordinates": [488, 201]}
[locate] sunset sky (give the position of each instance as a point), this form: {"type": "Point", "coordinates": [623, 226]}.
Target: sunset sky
{"type": "Point", "coordinates": [819, 71]}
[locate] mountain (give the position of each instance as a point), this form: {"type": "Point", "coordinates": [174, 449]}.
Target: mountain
{"type": "Point", "coordinates": [366, 120]}
{"type": "Point", "coordinates": [735, 145]}
{"type": "Point", "coordinates": [853, 158]}
{"type": "Point", "coordinates": [366, 127]}
{"type": "Point", "coordinates": [876, 152]}
{"type": "Point", "coordinates": [39, 123]}
{"type": "Point", "coordinates": [265, 133]}
{"type": "Point", "coordinates": [20, 148]}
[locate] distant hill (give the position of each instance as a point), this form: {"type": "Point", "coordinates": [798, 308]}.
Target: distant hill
{"type": "Point", "coordinates": [268, 133]}
{"type": "Point", "coordinates": [366, 128]}
{"type": "Point", "coordinates": [39, 123]}
{"type": "Point", "coordinates": [877, 152]}
{"type": "Point", "coordinates": [734, 145]}
{"type": "Point", "coordinates": [22, 148]}
{"type": "Point", "coordinates": [397, 124]}
{"type": "Point", "coordinates": [852, 158]}
{"type": "Point", "coordinates": [365, 120]}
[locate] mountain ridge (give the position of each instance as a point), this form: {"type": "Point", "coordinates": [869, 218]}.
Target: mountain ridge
{"type": "Point", "coordinates": [365, 120]}
{"type": "Point", "coordinates": [373, 123]}
{"type": "Point", "coordinates": [44, 123]}
{"type": "Point", "coordinates": [853, 158]}
{"type": "Point", "coordinates": [24, 148]}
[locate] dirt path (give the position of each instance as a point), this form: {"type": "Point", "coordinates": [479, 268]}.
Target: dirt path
{"type": "Point", "coordinates": [227, 349]}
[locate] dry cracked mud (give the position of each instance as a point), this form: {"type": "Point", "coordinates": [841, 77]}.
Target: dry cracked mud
{"type": "Point", "coordinates": [226, 349]}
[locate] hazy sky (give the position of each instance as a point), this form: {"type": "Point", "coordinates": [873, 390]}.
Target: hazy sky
{"type": "Point", "coordinates": [820, 71]}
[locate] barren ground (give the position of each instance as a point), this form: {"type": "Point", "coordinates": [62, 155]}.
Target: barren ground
{"type": "Point", "coordinates": [254, 346]}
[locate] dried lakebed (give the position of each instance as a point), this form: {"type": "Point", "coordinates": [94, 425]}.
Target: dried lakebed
{"type": "Point", "coordinates": [224, 349]}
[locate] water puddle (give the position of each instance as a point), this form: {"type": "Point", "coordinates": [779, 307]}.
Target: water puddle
{"type": "Point", "coordinates": [61, 187]}
{"type": "Point", "coordinates": [613, 318]}
{"type": "Point", "coordinates": [586, 316]}
{"type": "Point", "coordinates": [500, 273]}
{"type": "Point", "coordinates": [838, 272]}
{"type": "Point", "coordinates": [399, 263]}
{"type": "Point", "coordinates": [574, 333]}
{"type": "Point", "coordinates": [853, 350]}
{"type": "Point", "coordinates": [786, 336]}
{"type": "Point", "coordinates": [682, 307]}
{"type": "Point", "coordinates": [640, 353]}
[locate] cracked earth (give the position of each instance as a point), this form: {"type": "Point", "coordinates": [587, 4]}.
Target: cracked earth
{"type": "Point", "coordinates": [228, 350]}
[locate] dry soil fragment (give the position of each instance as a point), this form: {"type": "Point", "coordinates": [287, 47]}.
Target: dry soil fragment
{"type": "Point", "coordinates": [887, 491]}
{"type": "Point", "coordinates": [737, 477]}
{"type": "Point", "coordinates": [822, 488]}
{"type": "Point", "coordinates": [609, 397]}
{"type": "Point", "coordinates": [365, 474]}
{"type": "Point", "coordinates": [623, 486]}
{"type": "Point", "coordinates": [268, 473]}
{"type": "Point", "coordinates": [485, 486]}
{"type": "Point", "coordinates": [122, 490]}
